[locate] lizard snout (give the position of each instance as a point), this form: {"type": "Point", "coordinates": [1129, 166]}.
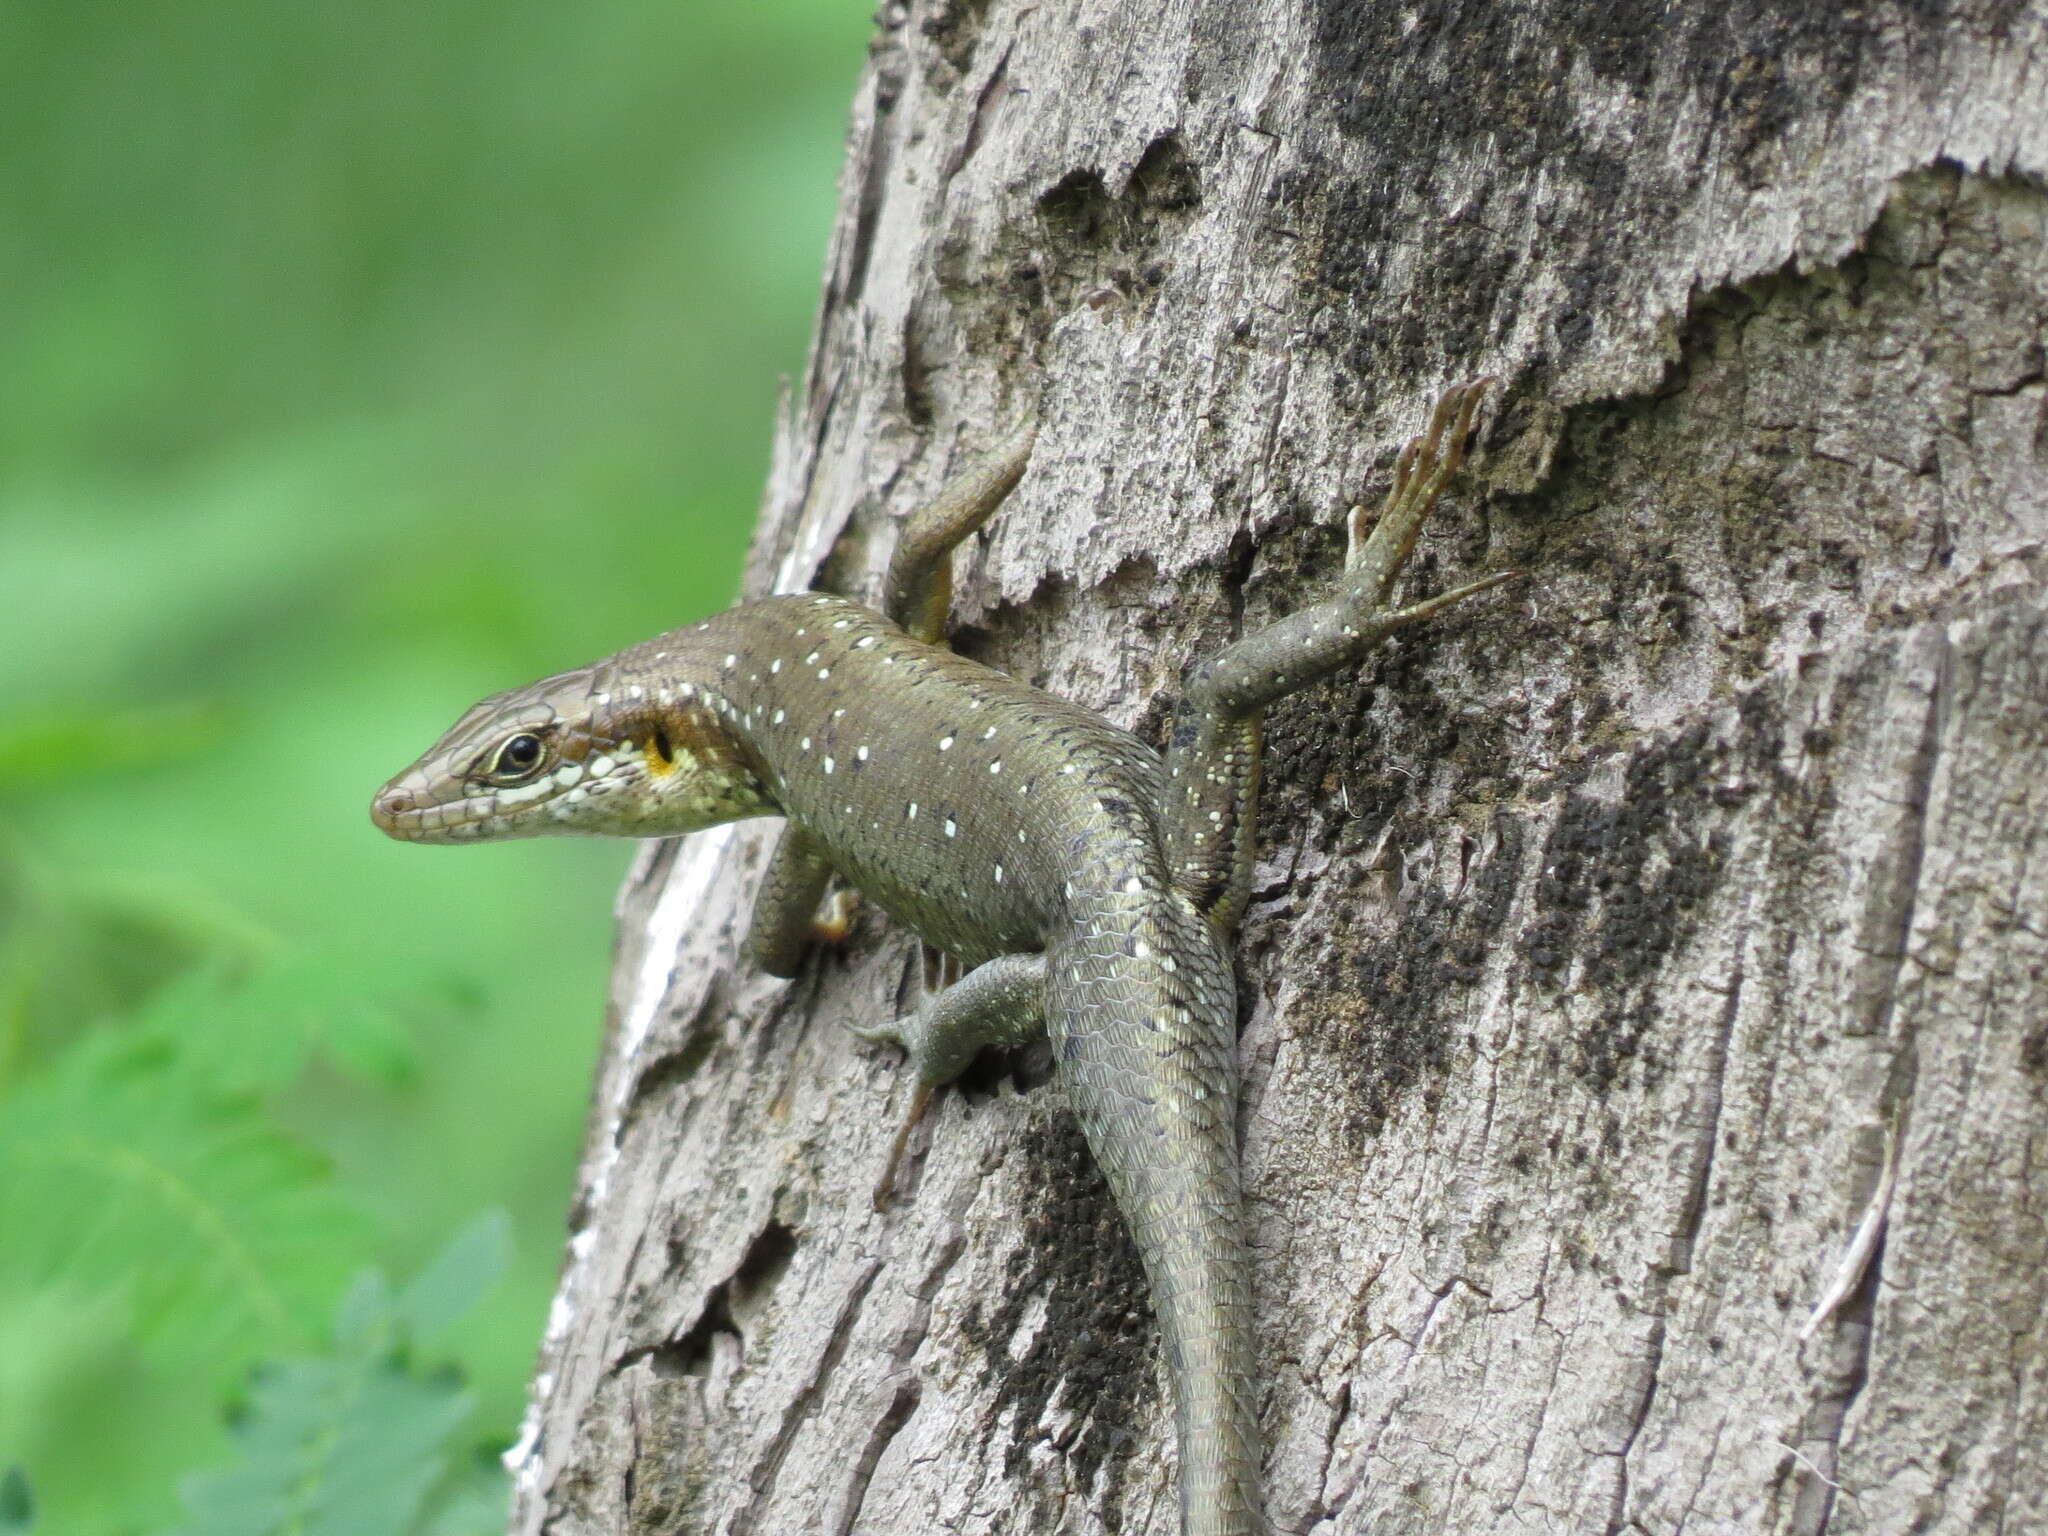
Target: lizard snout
{"type": "Point", "coordinates": [391, 808]}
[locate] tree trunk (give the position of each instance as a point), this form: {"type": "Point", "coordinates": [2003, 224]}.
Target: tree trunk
{"type": "Point", "coordinates": [1623, 943]}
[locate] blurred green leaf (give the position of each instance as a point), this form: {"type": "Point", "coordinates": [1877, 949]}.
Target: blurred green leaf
{"type": "Point", "coordinates": [118, 1151]}
{"type": "Point", "coordinates": [17, 1503]}
{"type": "Point", "coordinates": [257, 1033]}
{"type": "Point", "coordinates": [364, 1323]}
{"type": "Point", "coordinates": [458, 1275]}
{"type": "Point", "coordinates": [476, 1502]}
{"type": "Point", "coordinates": [155, 1136]}
{"type": "Point", "coordinates": [77, 948]}
{"type": "Point", "coordinates": [76, 743]}
{"type": "Point", "coordinates": [346, 1447]}
{"type": "Point", "coordinates": [347, 1443]}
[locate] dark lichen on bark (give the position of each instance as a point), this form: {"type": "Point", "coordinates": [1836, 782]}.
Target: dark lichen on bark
{"type": "Point", "coordinates": [1093, 1348]}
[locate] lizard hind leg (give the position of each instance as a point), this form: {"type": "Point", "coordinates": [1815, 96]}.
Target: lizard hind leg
{"type": "Point", "coordinates": [1001, 1002]}
{"type": "Point", "coordinates": [1212, 759]}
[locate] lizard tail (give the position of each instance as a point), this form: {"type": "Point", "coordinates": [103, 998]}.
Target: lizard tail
{"type": "Point", "coordinates": [1205, 1324]}
{"type": "Point", "coordinates": [1157, 1102]}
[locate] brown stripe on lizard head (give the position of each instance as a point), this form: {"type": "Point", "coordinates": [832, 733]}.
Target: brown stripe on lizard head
{"type": "Point", "coordinates": [569, 754]}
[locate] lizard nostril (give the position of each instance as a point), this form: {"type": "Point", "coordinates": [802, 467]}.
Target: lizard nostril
{"type": "Point", "coordinates": [390, 803]}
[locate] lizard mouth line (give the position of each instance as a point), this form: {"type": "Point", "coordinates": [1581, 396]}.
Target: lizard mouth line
{"type": "Point", "coordinates": [398, 815]}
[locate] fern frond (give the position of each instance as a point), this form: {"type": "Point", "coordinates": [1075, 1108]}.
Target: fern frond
{"type": "Point", "coordinates": [353, 1442]}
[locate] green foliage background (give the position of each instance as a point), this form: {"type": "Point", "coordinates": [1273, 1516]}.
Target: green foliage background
{"type": "Point", "coordinates": [355, 361]}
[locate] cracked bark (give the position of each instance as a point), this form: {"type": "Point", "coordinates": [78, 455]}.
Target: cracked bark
{"type": "Point", "coordinates": [1603, 931]}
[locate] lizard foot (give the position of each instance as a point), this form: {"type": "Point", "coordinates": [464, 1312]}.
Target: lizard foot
{"type": "Point", "coordinates": [835, 923]}
{"type": "Point", "coordinates": [1380, 543]}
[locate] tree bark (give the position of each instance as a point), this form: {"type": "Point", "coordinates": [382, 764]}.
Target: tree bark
{"type": "Point", "coordinates": [1620, 940]}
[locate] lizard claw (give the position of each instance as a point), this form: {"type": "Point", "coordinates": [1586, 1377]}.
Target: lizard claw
{"type": "Point", "coordinates": [884, 1191]}
{"type": "Point", "coordinates": [1425, 465]}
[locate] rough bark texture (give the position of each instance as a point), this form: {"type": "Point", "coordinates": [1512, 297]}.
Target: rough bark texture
{"type": "Point", "coordinates": [1608, 933]}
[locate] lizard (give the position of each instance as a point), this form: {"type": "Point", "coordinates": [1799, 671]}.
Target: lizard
{"type": "Point", "coordinates": [1090, 884]}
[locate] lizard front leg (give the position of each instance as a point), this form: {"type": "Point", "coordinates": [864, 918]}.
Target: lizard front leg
{"type": "Point", "coordinates": [786, 922]}
{"type": "Point", "coordinates": [916, 594]}
{"type": "Point", "coordinates": [919, 587]}
{"type": "Point", "coordinates": [1212, 759]}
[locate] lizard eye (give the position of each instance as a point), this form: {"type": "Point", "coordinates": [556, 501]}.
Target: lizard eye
{"type": "Point", "coordinates": [518, 757]}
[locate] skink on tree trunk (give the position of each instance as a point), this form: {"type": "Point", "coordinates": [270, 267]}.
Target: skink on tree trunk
{"type": "Point", "coordinates": [1091, 885]}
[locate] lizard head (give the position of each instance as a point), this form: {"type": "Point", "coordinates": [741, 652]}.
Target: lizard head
{"type": "Point", "coordinates": [582, 752]}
